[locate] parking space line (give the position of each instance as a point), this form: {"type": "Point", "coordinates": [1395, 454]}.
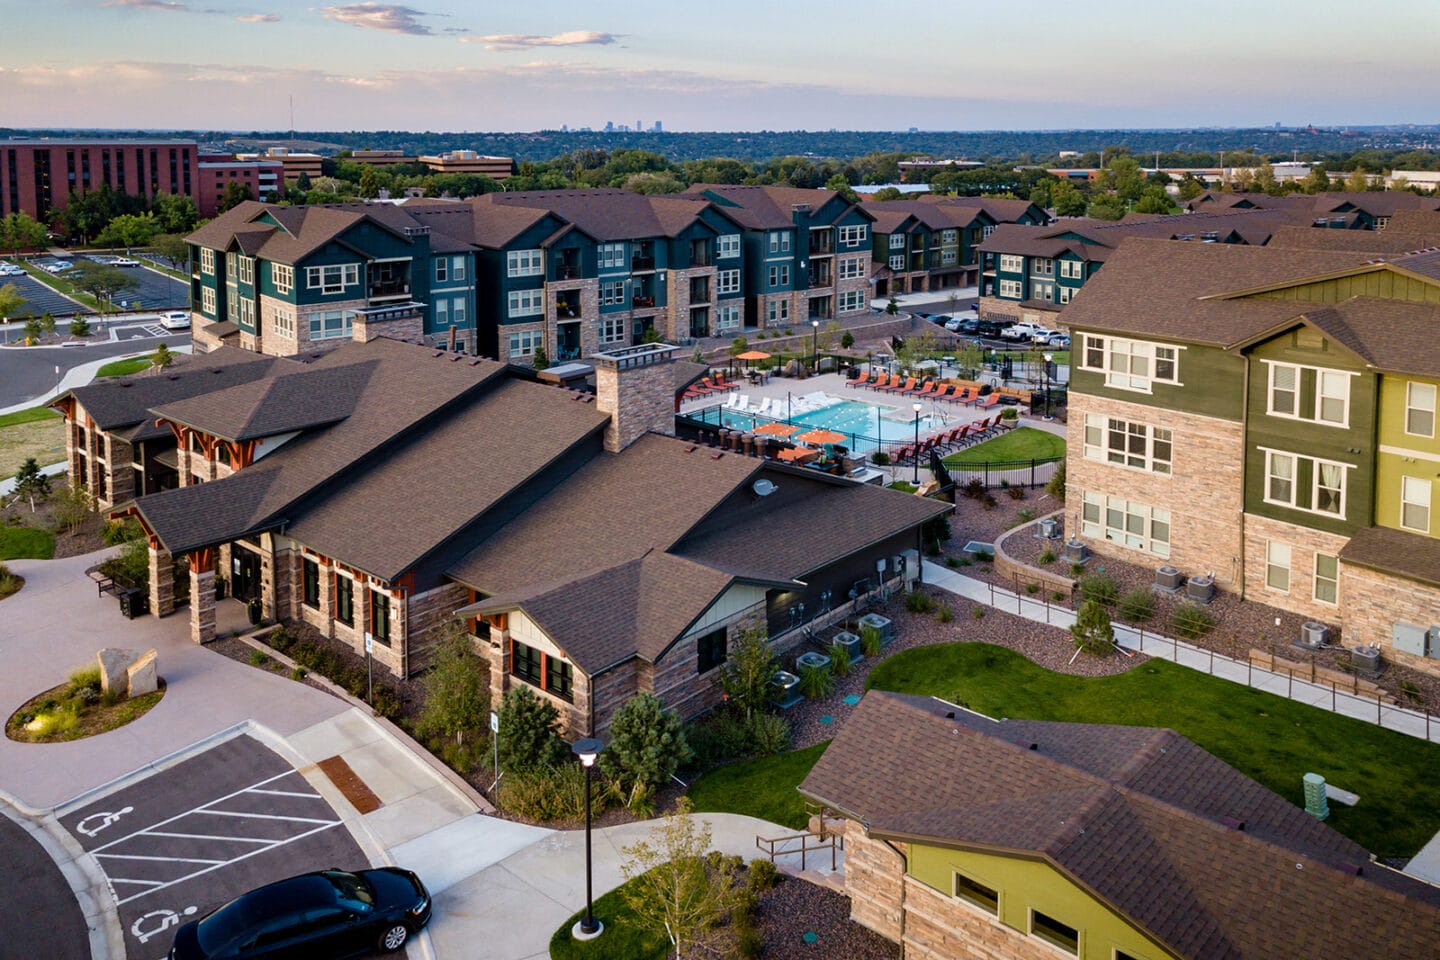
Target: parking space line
{"type": "Point", "coordinates": [258, 816]}
{"type": "Point", "coordinates": [181, 816]}
{"type": "Point", "coordinates": [199, 836]}
{"type": "Point", "coordinates": [145, 883]}
{"type": "Point", "coordinates": [285, 793]}
{"type": "Point", "coordinates": [139, 856]}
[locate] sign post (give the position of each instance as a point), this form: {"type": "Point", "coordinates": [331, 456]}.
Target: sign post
{"type": "Point", "coordinates": [495, 741]}
{"type": "Point", "coordinates": [370, 669]}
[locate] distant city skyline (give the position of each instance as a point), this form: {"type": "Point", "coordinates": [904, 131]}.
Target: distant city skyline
{"type": "Point", "coordinates": [446, 65]}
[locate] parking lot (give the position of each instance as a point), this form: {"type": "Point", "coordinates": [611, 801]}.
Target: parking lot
{"type": "Point", "coordinates": [188, 839]}
{"type": "Point", "coordinates": [155, 290]}
{"type": "Point", "coordinates": [41, 299]}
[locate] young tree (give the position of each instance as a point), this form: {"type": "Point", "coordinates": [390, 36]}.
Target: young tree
{"type": "Point", "coordinates": [174, 213]}
{"type": "Point", "coordinates": [457, 699]}
{"type": "Point", "coordinates": [541, 359]}
{"type": "Point", "coordinates": [20, 231]}
{"type": "Point", "coordinates": [100, 280]}
{"type": "Point", "coordinates": [847, 340]}
{"type": "Point", "coordinates": [79, 326]}
{"type": "Point", "coordinates": [1358, 181]}
{"type": "Point", "coordinates": [672, 887]}
{"type": "Point", "coordinates": [172, 248]}
{"type": "Point", "coordinates": [529, 732]}
{"type": "Point", "coordinates": [1068, 200]}
{"type": "Point", "coordinates": [128, 230]}
{"type": "Point", "coordinates": [302, 183]}
{"type": "Point", "coordinates": [33, 330]}
{"type": "Point", "coordinates": [162, 357]}
{"type": "Point", "coordinates": [746, 674]}
{"type": "Point", "coordinates": [10, 300]}
{"type": "Point", "coordinates": [647, 746]}
{"type": "Point", "coordinates": [840, 185]}
{"type": "Point", "coordinates": [47, 323]}
{"type": "Point", "coordinates": [30, 483]}
{"type": "Point", "coordinates": [235, 194]}
{"type": "Point", "coordinates": [1092, 631]}
{"type": "Point", "coordinates": [369, 183]}
{"type": "Point", "coordinates": [1318, 181]}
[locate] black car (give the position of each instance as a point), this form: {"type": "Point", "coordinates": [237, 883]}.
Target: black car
{"type": "Point", "coordinates": [331, 913]}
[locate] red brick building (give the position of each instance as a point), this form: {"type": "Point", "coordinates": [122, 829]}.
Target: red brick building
{"type": "Point", "coordinates": [38, 176]}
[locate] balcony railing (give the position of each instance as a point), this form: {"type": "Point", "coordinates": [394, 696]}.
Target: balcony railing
{"type": "Point", "coordinates": [567, 271]}
{"type": "Point", "coordinates": [821, 279]}
{"type": "Point", "coordinates": [639, 301]}
{"type": "Point", "coordinates": [821, 248]}
{"type": "Point", "coordinates": [382, 291]}
{"type": "Point", "coordinates": [567, 309]}
{"type": "Point", "coordinates": [642, 264]}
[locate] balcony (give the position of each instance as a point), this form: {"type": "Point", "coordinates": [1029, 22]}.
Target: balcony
{"type": "Point", "coordinates": [388, 289]}
{"type": "Point", "coordinates": [639, 264]}
{"type": "Point", "coordinates": [389, 312]}
{"type": "Point", "coordinates": [822, 244]}
{"type": "Point", "coordinates": [700, 253]}
{"type": "Point", "coordinates": [567, 308]}
{"type": "Point", "coordinates": [567, 271]}
{"type": "Point", "coordinates": [699, 289]}
{"type": "Point", "coordinates": [821, 278]}
{"type": "Point", "coordinates": [642, 301]}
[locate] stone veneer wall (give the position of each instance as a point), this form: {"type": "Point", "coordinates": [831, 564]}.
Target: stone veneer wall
{"type": "Point", "coordinates": [874, 878]}
{"type": "Point", "coordinates": [1205, 493]}
{"type": "Point", "coordinates": [1371, 603]}
{"type": "Point", "coordinates": [1304, 543]}
{"type": "Point", "coordinates": [272, 341]}
{"type": "Point", "coordinates": [422, 617]}
{"type": "Point", "coordinates": [638, 400]}
{"type": "Point", "coordinates": [675, 321]}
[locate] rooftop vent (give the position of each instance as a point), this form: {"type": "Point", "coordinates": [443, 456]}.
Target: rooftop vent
{"type": "Point", "coordinates": [763, 487]}
{"type": "Point", "coordinates": [1232, 823]}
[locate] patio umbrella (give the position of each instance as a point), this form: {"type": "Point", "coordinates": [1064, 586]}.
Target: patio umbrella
{"type": "Point", "coordinates": [777, 429]}
{"type": "Point", "coordinates": [753, 355]}
{"type": "Point", "coordinates": [818, 438]}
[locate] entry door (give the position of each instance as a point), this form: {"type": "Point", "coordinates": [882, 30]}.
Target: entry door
{"type": "Point", "coordinates": [244, 573]}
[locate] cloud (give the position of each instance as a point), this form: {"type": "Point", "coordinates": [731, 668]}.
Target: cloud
{"type": "Point", "coordinates": [385, 17]}
{"type": "Point", "coordinates": [524, 41]}
{"type": "Point", "coordinates": [174, 6]}
{"type": "Point", "coordinates": [260, 18]}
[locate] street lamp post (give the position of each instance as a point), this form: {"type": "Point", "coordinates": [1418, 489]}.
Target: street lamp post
{"type": "Point", "coordinates": [1045, 381]}
{"type": "Point", "coordinates": [815, 345]}
{"type": "Point", "coordinates": [917, 406]}
{"type": "Point", "coordinates": [588, 750]}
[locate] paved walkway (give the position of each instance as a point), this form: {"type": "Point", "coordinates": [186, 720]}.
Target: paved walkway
{"type": "Point", "coordinates": [81, 374]}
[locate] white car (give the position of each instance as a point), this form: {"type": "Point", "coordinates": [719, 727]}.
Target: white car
{"type": "Point", "coordinates": [124, 262]}
{"type": "Point", "coordinates": [1023, 331]}
{"type": "Point", "coordinates": [56, 266]}
{"type": "Point", "coordinates": [175, 320]}
{"type": "Point", "coordinates": [11, 270]}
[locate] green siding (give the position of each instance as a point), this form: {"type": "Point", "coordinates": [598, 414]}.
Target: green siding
{"type": "Point", "coordinates": [1211, 382]}
{"type": "Point", "coordinates": [1379, 283]}
{"type": "Point", "coordinates": [1416, 456]}
{"type": "Point", "coordinates": [1026, 885]}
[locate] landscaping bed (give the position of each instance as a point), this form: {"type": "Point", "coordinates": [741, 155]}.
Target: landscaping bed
{"type": "Point", "coordinates": [26, 534]}
{"type": "Point", "coordinates": [77, 709]}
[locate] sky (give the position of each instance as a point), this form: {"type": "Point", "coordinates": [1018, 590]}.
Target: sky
{"type": "Point", "coordinates": [452, 65]}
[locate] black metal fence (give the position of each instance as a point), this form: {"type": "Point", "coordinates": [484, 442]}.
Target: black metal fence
{"type": "Point", "coordinates": [1011, 473]}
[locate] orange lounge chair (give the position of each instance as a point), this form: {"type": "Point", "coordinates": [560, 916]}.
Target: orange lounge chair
{"type": "Point", "coordinates": [864, 380]}
{"type": "Point", "coordinates": [929, 390]}
{"type": "Point", "coordinates": [897, 388]}
{"type": "Point", "coordinates": [881, 381]}
{"type": "Point", "coordinates": [988, 401]}
{"type": "Point", "coordinates": [914, 391]}
{"type": "Point", "coordinates": [946, 392]}
{"type": "Point", "coordinates": [964, 395]}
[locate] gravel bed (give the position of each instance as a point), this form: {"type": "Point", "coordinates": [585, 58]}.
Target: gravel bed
{"type": "Point", "coordinates": [796, 907]}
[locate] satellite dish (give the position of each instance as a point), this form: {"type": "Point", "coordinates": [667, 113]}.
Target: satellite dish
{"type": "Point", "coordinates": [763, 487]}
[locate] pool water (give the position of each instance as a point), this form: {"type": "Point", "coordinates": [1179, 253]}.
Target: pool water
{"type": "Point", "coordinates": [862, 423]}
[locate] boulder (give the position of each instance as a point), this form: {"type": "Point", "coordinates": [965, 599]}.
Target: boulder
{"type": "Point", "coordinates": [113, 664]}
{"type": "Point", "coordinates": [141, 675]}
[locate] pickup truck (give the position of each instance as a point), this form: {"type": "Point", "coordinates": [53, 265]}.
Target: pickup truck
{"type": "Point", "coordinates": [1024, 332]}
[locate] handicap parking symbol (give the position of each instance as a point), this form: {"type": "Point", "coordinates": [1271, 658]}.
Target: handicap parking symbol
{"type": "Point", "coordinates": [157, 922]}
{"type": "Point", "coordinates": [96, 822]}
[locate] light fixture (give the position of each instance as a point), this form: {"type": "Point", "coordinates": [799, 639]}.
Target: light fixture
{"type": "Point", "coordinates": [588, 750]}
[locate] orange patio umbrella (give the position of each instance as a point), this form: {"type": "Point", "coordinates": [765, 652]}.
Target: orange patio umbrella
{"type": "Point", "coordinates": [777, 429]}
{"type": "Point", "coordinates": [818, 438]}
{"type": "Point", "coordinates": [753, 355]}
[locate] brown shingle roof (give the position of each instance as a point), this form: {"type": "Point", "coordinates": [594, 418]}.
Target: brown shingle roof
{"type": "Point", "coordinates": [1003, 210]}
{"type": "Point", "coordinates": [294, 400]}
{"type": "Point", "coordinates": [121, 403]}
{"type": "Point", "coordinates": [603, 214]}
{"type": "Point", "coordinates": [1397, 552]}
{"type": "Point", "coordinates": [766, 207]}
{"type": "Point", "coordinates": [1141, 817]}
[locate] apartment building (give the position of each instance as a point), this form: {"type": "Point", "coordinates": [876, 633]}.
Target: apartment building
{"type": "Point", "coordinates": [263, 178]}
{"type": "Point", "coordinates": [38, 176]}
{"type": "Point", "coordinates": [1266, 416]}
{"type": "Point", "coordinates": [923, 247]}
{"type": "Point", "coordinates": [1336, 210]}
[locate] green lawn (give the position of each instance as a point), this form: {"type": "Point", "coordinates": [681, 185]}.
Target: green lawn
{"type": "Point", "coordinates": [623, 939]}
{"type": "Point", "coordinates": [28, 416]}
{"type": "Point", "coordinates": [1022, 443]}
{"type": "Point", "coordinates": [1271, 739]}
{"type": "Point", "coordinates": [26, 543]}
{"type": "Point", "coordinates": [763, 787]}
{"type": "Point", "coordinates": [123, 368]}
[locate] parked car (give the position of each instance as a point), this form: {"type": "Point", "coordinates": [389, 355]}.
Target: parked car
{"type": "Point", "coordinates": [985, 328]}
{"type": "Point", "coordinates": [1058, 340]}
{"type": "Point", "coordinates": [11, 270]}
{"type": "Point", "coordinates": [56, 266]}
{"type": "Point", "coordinates": [954, 324]}
{"type": "Point", "coordinates": [124, 262]}
{"type": "Point", "coordinates": [175, 320]}
{"type": "Point", "coordinates": [939, 319]}
{"type": "Point", "coordinates": [1043, 335]}
{"type": "Point", "coordinates": [331, 913]}
{"type": "Point", "coordinates": [1022, 331]}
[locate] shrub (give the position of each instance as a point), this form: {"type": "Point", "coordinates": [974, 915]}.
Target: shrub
{"type": "Point", "coordinates": [1056, 486]}
{"type": "Point", "coordinates": [880, 458]}
{"type": "Point", "coordinates": [847, 340]}
{"type": "Point", "coordinates": [281, 639]}
{"type": "Point", "coordinates": [952, 562]}
{"type": "Point", "coordinates": [839, 659]}
{"type": "Point", "coordinates": [115, 532]}
{"type": "Point", "coordinates": [1192, 621]}
{"type": "Point", "coordinates": [529, 732]}
{"type": "Point", "coordinates": [551, 793]}
{"type": "Point", "coordinates": [1025, 514]}
{"type": "Point", "coordinates": [1017, 493]}
{"type": "Point", "coordinates": [85, 678]}
{"type": "Point", "coordinates": [977, 612]}
{"type": "Point", "coordinates": [763, 875]}
{"type": "Point", "coordinates": [457, 691]}
{"type": "Point", "coordinates": [1100, 588]}
{"type": "Point", "coordinates": [974, 488]}
{"type": "Point", "coordinates": [299, 673]}
{"type": "Point", "coordinates": [1058, 596]}
{"type": "Point", "coordinates": [1032, 588]}
{"type": "Point", "coordinates": [79, 327]}
{"type": "Point", "coordinates": [944, 614]}
{"type": "Point", "coordinates": [769, 733]}
{"type": "Point", "coordinates": [870, 641]}
{"type": "Point", "coordinates": [1009, 413]}
{"type": "Point", "coordinates": [1092, 631]}
{"type": "Point", "coordinates": [258, 659]}
{"type": "Point", "coordinates": [647, 745]}
{"type": "Point", "coordinates": [1137, 606]}
{"type": "Point", "coordinates": [988, 501]}
{"type": "Point", "coordinates": [746, 674]}
{"type": "Point", "coordinates": [1047, 556]}
{"type": "Point", "coordinates": [1076, 569]}
{"type": "Point", "coordinates": [918, 601]}
{"type": "Point", "coordinates": [385, 702]}
{"type": "Point", "coordinates": [816, 682]}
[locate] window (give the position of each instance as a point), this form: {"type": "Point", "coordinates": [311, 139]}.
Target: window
{"type": "Point", "coordinates": [1054, 932]}
{"type": "Point", "coordinates": [853, 236]}
{"type": "Point", "coordinates": [1128, 364]}
{"type": "Point", "coordinates": [727, 281]}
{"type": "Point", "coordinates": [1327, 578]}
{"type": "Point", "coordinates": [727, 318]}
{"type": "Point", "coordinates": [1072, 269]}
{"type": "Point", "coordinates": [1066, 293]}
{"type": "Point", "coordinates": [777, 311]}
{"type": "Point", "coordinates": [247, 270]}
{"type": "Point", "coordinates": [522, 263]}
{"type": "Point", "coordinates": [1129, 444]}
{"type": "Point", "coordinates": [1135, 525]}
{"type": "Point", "coordinates": [779, 241]}
{"type": "Point", "coordinates": [1284, 386]}
{"type": "Point", "coordinates": [1420, 409]}
{"type": "Point", "coordinates": [525, 662]}
{"type": "Point", "coordinates": [897, 241]}
{"type": "Point", "coordinates": [310, 593]}
{"type": "Point", "coordinates": [345, 600]}
{"type": "Point", "coordinates": [1277, 566]}
{"type": "Point", "coordinates": [442, 312]}
{"type": "Point", "coordinates": [207, 261]}
{"type": "Point", "coordinates": [1284, 473]}
{"type": "Point", "coordinates": [611, 255]}
{"type": "Point", "coordinates": [1332, 397]}
{"type": "Point", "coordinates": [442, 269]}
{"type": "Point", "coordinates": [541, 670]}
{"type": "Point", "coordinates": [612, 330]}
{"type": "Point", "coordinates": [526, 303]}
{"type": "Point", "coordinates": [780, 276]}
{"type": "Point", "coordinates": [457, 268]}
{"type": "Point", "coordinates": [612, 292]}
{"type": "Point", "coordinates": [232, 267]}
{"type": "Point", "coordinates": [1010, 263]}
{"type": "Point", "coordinates": [988, 229]}
{"type": "Point", "coordinates": [711, 648]}
{"type": "Point", "coordinates": [247, 313]}
{"type": "Point", "coordinates": [1415, 504]}
{"type": "Point", "coordinates": [1010, 289]}
{"type": "Point", "coordinates": [330, 325]}
{"type": "Point", "coordinates": [727, 246]}
{"type": "Point", "coordinates": [284, 322]}
{"type": "Point", "coordinates": [457, 311]}
{"type": "Point", "coordinates": [282, 275]}
{"type": "Point", "coordinates": [1042, 267]}
{"type": "Point", "coordinates": [207, 301]}
{"type": "Point", "coordinates": [379, 617]}
{"type": "Point", "coordinates": [1331, 388]}
{"type": "Point", "coordinates": [1042, 291]}
{"type": "Point", "coordinates": [947, 258]}
{"type": "Point", "coordinates": [332, 279]}
{"type": "Point", "coordinates": [948, 236]}
{"type": "Point", "coordinates": [977, 894]}
{"type": "Point", "coordinates": [852, 300]}
{"type": "Point", "coordinates": [559, 678]}
{"type": "Point", "coordinates": [523, 344]}
{"type": "Point", "coordinates": [897, 262]}
{"type": "Point", "coordinates": [852, 268]}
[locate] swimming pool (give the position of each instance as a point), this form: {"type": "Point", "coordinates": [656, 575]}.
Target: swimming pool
{"type": "Point", "coordinates": [865, 425]}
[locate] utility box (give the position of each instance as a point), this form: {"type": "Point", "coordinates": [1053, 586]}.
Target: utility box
{"type": "Point", "coordinates": [1408, 638]}
{"type": "Point", "coordinates": [134, 602]}
{"type": "Point", "coordinates": [910, 566]}
{"type": "Point", "coordinates": [1316, 804]}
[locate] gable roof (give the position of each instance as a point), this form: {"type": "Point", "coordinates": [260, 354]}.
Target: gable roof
{"type": "Point", "coordinates": [771, 207]}
{"type": "Point", "coordinates": [292, 400]}
{"type": "Point", "coordinates": [1412, 556]}
{"type": "Point", "coordinates": [1392, 336]}
{"type": "Point", "coordinates": [604, 214]}
{"type": "Point", "coordinates": [1192, 851]}
{"type": "Point", "coordinates": [127, 401]}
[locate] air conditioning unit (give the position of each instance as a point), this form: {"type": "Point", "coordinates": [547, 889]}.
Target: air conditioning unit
{"type": "Point", "coordinates": [883, 624]}
{"type": "Point", "coordinates": [1312, 635]}
{"type": "Point", "coordinates": [1366, 660]}
{"type": "Point", "coordinates": [1076, 551]}
{"type": "Point", "coordinates": [1200, 589]}
{"type": "Point", "coordinates": [1169, 579]}
{"type": "Point", "coordinates": [1049, 529]}
{"type": "Point", "coordinates": [851, 643]}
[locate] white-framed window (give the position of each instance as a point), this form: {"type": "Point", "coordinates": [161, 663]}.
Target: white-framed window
{"type": "Point", "coordinates": [1332, 397]}
{"type": "Point", "coordinates": [1327, 578]}
{"type": "Point", "coordinates": [897, 241]}
{"type": "Point", "coordinates": [442, 312]}
{"type": "Point", "coordinates": [1012, 263]}
{"type": "Point", "coordinates": [207, 261]}
{"type": "Point", "coordinates": [247, 312]}
{"type": "Point", "coordinates": [1054, 932]}
{"type": "Point", "coordinates": [283, 321]}
{"type": "Point", "coordinates": [457, 268]}
{"type": "Point", "coordinates": [1042, 267]}
{"type": "Point", "coordinates": [1415, 504]}
{"type": "Point", "coordinates": [982, 896]}
{"type": "Point", "coordinates": [948, 257]}
{"type": "Point", "coordinates": [1289, 381]}
{"type": "Point", "coordinates": [727, 246]}
{"type": "Point", "coordinates": [1128, 444]}
{"type": "Point", "coordinates": [207, 301]}
{"type": "Point", "coordinates": [442, 269]}
{"type": "Point", "coordinates": [1325, 492]}
{"type": "Point", "coordinates": [779, 241]}
{"type": "Point", "coordinates": [333, 278]}
{"type": "Point", "coordinates": [330, 325]}
{"type": "Point", "coordinates": [853, 236]}
{"type": "Point", "coordinates": [1277, 565]}
{"type": "Point", "coordinates": [612, 292]}
{"type": "Point", "coordinates": [1284, 390]}
{"type": "Point", "coordinates": [727, 317]}
{"type": "Point", "coordinates": [780, 276]}
{"type": "Point", "coordinates": [612, 329]}
{"type": "Point", "coordinates": [948, 236]}
{"type": "Point", "coordinates": [852, 300]}
{"type": "Point", "coordinates": [1136, 525]}
{"type": "Point", "coordinates": [232, 267]}
{"type": "Point", "coordinates": [987, 230]}
{"type": "Point", "coordinates": [1042, 291]}
{"type": "Point", "coordinates": [1131, 364]}
{"type": "Point", "coordinates": [523, 263]}
{"type": "Point", "coordinates": [1010, 289]}
{"type": "Point", "coordinates": [1420, 409]}
{"type": "Point", "coordinates": [523, 344]}
{"type": "Point", "coordinates": [727, 281]}
{"type": "Point", "coordinates": [282, 275]}
{"type": "Point", "coordinates": [777, 311]}
{"type": "Point", "coordinates": [1066, 293]}
{"type": "Point", "coordinates": [612, 255]}
{"type": "Point", "coordinates": [232, 303]}
{"type": "Point", "coordinates": [852, 268]}
{"type": "Point", "coordinates": [897, 262]}
{"type": "Point", "coordinates": [458, 313]}
{"type": "Point", "coordinates": [526, 303]}
{"type": "Point", "coordinates": [1072, 269]}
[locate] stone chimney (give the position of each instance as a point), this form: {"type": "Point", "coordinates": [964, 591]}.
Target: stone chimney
{"type": "Point", "coordinates": [636, 387]}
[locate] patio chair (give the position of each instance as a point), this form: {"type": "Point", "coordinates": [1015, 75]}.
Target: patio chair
{"type": "Point", "coordinates": [904, 453]}
{"type": "Point", "coordinates": [952, 439]}
{"type": "Point", "coordinates": [899, 388]}
{"type": "Point", "coordinates": [865, 379]}
{"type": "Point", "coordinates": [764, 408]}
{"type": "Point", "coordinates": [929, 389]}
{"type": "Point", "coordinates": [882, 381]}
{"type": "Point", "coordinates": [946, 392]}
{"type": "Point", "coordinates": [988, 401]}
{"type": "Point", "coordinates": [724, 384]}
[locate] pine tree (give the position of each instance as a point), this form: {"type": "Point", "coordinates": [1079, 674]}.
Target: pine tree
{"type": "Point", "coordinates": [647, 745]}
{"type": "Point", "coordinates": [529, 732]}
{"type": "Point", "coordinates": [30, 483]}
{"type": "Point", "coordinates": [1092, 631]}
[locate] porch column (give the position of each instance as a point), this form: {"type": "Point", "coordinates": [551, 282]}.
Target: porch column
{"type": "Point", "coordinates": [162, 580]}
{"type": "Point", "coordinates": [202, 595]}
